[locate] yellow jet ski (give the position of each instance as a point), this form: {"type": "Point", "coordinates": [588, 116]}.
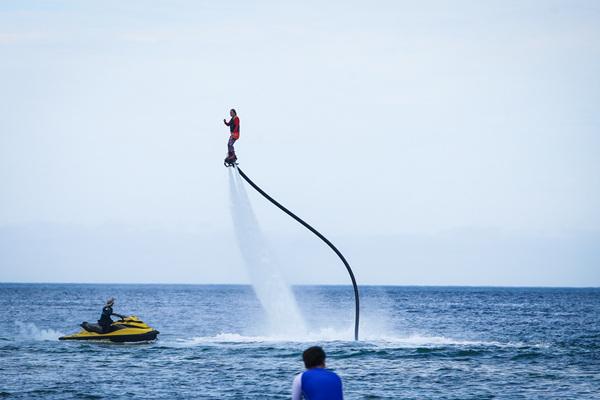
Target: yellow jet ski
{"type": "Point", "coordinates": [127, 329]}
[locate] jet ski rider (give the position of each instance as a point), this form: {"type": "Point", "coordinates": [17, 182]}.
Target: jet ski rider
{"type": "Point", "coordinates": [105, 321]}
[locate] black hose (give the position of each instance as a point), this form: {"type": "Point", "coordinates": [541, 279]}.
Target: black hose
{"type": "Point", "coordinates": [323, 238]}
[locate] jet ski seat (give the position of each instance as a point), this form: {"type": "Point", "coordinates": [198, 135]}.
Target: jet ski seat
{"type": "Point", "coordinates": [91, 327]}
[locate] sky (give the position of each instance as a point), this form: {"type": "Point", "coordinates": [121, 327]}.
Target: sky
{"type": "Point", "coordinates": [435, 142]}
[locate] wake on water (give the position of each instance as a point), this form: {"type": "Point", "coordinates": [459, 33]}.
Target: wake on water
{"type": "Point", "coordinates": [377, 339]}
{"type": "Point", "coordinates": [272, 290]}
{"type": "Point", "coordinates": [30, 331]}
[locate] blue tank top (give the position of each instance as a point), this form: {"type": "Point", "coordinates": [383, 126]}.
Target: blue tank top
{"type": "Point", "coordinates": [321, 384]}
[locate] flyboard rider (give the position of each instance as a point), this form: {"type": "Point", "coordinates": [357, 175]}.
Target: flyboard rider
{"type": "Point", "coordinates": [234, 129]}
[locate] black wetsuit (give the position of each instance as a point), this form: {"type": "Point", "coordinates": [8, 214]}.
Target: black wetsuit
{"type": "Point", "coordinates": [105, 321]}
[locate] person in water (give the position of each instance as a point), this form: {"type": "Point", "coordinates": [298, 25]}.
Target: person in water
{"type": "Point", "coordinates": [234, 130]}
{"type": "Point", "coordinates": [316, 383]}
{"type": "Point", "coordinates": [105, 321]}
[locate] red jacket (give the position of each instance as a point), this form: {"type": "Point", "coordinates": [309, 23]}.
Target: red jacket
{"type": "Point", "coordinates": [234, 127]}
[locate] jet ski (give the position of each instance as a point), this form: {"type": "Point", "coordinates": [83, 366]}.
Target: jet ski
{"type": "Point", "coordinates": [127, 329]}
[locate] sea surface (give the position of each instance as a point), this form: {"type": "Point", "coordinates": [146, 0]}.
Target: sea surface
{"type": "Point", "coordinates": [215, 343]}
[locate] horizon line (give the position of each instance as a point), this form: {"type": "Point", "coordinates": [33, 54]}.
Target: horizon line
{"type": "Point", "coordinates": [305, 284]}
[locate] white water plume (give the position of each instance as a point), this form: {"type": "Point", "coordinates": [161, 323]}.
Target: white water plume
{"type": "Point", "coordinates": [29, 330]}
{"type": "Point", "coordinates": [269, 285]}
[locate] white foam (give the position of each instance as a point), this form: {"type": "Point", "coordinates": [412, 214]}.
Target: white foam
{"type": "Point", "coordinates": [332, 335]}
{"type": "Point", "coordinates": [28, 330]}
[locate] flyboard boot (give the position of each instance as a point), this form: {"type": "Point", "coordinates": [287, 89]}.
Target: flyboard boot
{"type": "Point", "coordinates": [230, 160]}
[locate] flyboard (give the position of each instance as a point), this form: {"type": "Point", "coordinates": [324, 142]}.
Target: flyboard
{"type": "Point", "coordinates": [232, 162]}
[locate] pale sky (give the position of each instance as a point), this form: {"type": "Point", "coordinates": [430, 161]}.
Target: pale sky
{"type": "Point", "coordinates": [383, 123]}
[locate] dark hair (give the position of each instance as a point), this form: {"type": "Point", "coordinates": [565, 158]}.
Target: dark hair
{"type": "Point", "coordinates": [313, 357]}
{"type": "Point", "coordinates": [235, 112]}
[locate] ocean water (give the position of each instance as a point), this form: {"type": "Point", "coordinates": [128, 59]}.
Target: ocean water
{"type": "Point", "coordinates": [216, 343]}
